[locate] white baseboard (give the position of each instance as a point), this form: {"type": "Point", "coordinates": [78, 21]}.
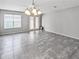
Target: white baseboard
{"type": "Point", "coordinates": [64, 35]}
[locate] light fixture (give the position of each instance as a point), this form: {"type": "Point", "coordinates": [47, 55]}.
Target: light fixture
{"type": "Point", "coordinates": [33, 11]}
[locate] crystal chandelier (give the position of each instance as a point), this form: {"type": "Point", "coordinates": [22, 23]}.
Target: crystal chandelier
{"type": "Point", "coordinates": [33, 11]}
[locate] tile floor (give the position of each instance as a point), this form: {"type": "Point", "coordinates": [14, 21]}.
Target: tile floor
{"type": "Point", "coordinates": [38, 45]}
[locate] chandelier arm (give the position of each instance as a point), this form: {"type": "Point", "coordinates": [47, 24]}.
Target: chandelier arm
{"type": "Point", "coordinates": [33, 2]}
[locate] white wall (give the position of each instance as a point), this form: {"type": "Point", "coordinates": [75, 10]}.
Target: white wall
{"type": "Point", "coordinates": [25, 24]}
{"type": "Point", "coordinates": [65, 22]}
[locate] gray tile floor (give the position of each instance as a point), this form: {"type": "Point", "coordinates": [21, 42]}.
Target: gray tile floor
{"type": "Point", "coordinates": [38, 45]}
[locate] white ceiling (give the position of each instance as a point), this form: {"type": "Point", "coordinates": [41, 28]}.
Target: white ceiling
{"type": "Point", "coordinates": [20, 5]}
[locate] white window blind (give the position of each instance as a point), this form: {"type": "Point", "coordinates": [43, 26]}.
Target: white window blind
{"type": "Point", "coordinates": [12, 21]}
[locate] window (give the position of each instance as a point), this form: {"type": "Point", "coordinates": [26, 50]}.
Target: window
{"type": "Point", "coordinates": [12, 21]}
{"type": "Point", "coordinates": [34, 23]}
{"type": "Point", "coordinates": [37, 23]}
{"type": "Point", "coordinates": [31, 23]}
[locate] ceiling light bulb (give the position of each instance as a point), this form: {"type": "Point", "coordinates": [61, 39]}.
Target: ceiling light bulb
{"type": "Point", "coordinates": [39, 12]}
{"type": "Point", "coordinates": [34, 12]}
{"type": "Point", "coordinates": [27, 12]}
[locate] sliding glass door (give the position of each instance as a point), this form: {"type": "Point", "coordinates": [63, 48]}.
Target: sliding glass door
{"type": "Point", "coordinates": [34, 23]}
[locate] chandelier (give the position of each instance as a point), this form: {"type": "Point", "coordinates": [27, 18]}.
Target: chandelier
{"type": "Point", "coordinates": [33, 11]}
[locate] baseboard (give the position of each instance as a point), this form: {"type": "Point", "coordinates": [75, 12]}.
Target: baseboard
{"type": "Point", "coordinates": [65, 35]}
